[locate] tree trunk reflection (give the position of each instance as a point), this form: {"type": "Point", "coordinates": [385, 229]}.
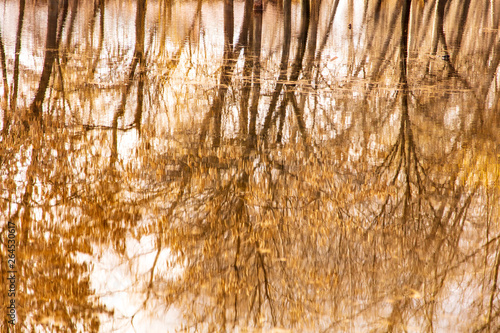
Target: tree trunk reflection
{"type": "Point", "coordinates": [50, 55]}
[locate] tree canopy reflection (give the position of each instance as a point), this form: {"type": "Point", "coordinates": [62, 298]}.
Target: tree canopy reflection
{"type": "Point", "coordinates": [307, 166]}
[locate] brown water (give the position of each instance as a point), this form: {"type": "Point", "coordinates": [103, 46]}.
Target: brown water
{"type": "Point", "coordinates": [325, 167]}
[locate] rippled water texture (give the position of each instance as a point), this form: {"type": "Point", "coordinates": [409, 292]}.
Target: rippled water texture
{"type": "Point", "coordinates": [241, 166]}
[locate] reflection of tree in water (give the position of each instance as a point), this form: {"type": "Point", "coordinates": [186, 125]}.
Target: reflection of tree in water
{"type": "Point", "coordinates": [271, 230]}
{"type": "Point", "coordinates": [419, 225]}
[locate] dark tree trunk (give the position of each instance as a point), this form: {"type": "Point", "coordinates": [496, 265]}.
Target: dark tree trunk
{"type": "Point", "coordinates": [285, 53]}
{"type": "Point", "coordinates": [252, 131]}
{"type": "Point", "coordinates": [50, 55]}
{"type": "Point", "coordinates": [71, 28]}
{"type": "Point", "coordinates": [101, 40]}
{"type": "Point", "coordinates": [140, 20]}
{"type": "Point", "coordinates": [244, 40]}
{"type": "Point", "coordinates": [13, 99]}
{"type": "Point", "coordinates": [462, 21]}
{"type": "Point", "coordinates": [225, 75]}
{"type": "Point", "coordinates": [4, 79]}
{"type": "Point", "coordinates": [297, 66]}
